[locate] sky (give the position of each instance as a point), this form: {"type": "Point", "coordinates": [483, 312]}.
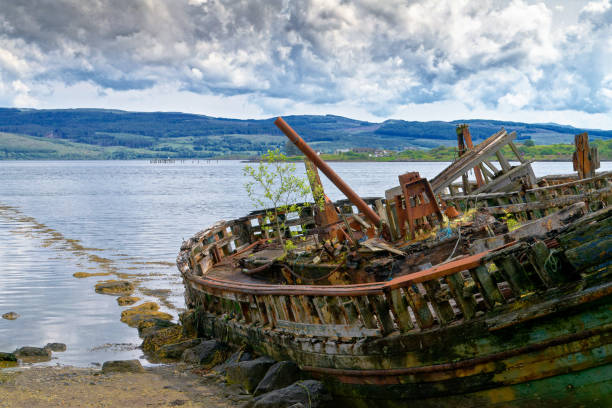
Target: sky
{"type": "Point", "coordinates": [532, 61]}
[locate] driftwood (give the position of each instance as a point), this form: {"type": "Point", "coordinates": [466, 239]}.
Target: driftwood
{"type": "Point", "coordinates": [489, 178]}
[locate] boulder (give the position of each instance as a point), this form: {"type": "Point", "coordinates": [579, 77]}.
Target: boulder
{"type": "Point", "coordinates": [280, 375]}
{"type": "Point", "coordinates": [208, 353]}
{"type": "Point", "coordinates": [159, 338]}
{"type": "Point", "coordinates": [114, 287]}
{"type": "Point", "coordinates": [176, 350]}
{"type": "Point", "coordinates": [309, 393]}
{"type": "Point", "coordinates": [10, 316]}
{"type": "Point", "coordinates": [189, 322]}
{"type": "Point", "coordinates": [33, 352]}
{"type": "Point", "coordinates": [8, 357]}
{"type": "Point", "coordinates": [56, 346]}
{"type": "Point", "coordinates": [151, 325]}
{"type": "Point", "coordinates": [134, 315]}
{"type": "Point", "coordinates": [248, 374]}
{"type": "Point", "coordinates": [234, 358]}
{"type": "Point", "coordinates": [127, 300]}
{"type": "Point", "coordinates": [122, 366]}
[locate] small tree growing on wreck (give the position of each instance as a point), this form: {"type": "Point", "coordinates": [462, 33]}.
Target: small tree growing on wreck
{"type": "Point", "coordinates": [274, 184]}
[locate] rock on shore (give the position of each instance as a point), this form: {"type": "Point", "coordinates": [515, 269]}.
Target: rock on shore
{"type": "Point", "coordinates": [57, 347]}
{"type": "Point", "coordinates": [122, 366]}
{"type": "Point", "coordinates": [114, 287]}
{"type": "Point", "coordinates": [248, 374]}
{"type": "Point", "coordinates": [127, 300]}
{"type": "Point", "coordinates": [309, 393]}
{"type": "Point", "coordinates": [134, 315]}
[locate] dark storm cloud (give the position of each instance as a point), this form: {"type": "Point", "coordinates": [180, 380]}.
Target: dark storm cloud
{"type": "Point", "coordinates": [375, 54]}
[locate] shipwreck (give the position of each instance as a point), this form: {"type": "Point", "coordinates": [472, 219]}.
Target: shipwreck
{"type": "Point", "coordinates": [425, 295]}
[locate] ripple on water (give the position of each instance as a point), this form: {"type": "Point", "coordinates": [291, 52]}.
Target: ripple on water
{"type": "Point", "coordinates": [126, 218]}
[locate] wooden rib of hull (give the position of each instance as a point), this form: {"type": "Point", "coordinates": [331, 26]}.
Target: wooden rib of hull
{"type": "Point", "coordinates": [485, 361]}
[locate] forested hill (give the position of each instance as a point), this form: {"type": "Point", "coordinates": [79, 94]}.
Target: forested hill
{"type": "Point", "coordinates": [30, 133]}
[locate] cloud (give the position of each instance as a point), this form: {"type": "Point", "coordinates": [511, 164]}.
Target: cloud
{"type": "Point", "coordinates": [375, 56]}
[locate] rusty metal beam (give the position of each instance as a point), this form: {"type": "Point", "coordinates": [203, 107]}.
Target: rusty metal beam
{"type": "Point", "coordinates": [328, 171]}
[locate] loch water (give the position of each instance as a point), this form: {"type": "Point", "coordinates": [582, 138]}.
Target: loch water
{"type": "Point", "coordinates": [126, 219]}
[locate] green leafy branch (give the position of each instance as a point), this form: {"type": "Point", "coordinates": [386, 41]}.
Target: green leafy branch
{"type": "Point", "coordinates": [274, 184]}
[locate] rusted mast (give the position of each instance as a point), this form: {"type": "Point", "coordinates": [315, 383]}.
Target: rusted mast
{"type": "Point", "coordinates": [328, 171]}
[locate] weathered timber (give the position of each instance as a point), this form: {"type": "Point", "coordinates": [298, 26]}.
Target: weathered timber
{"type": "Point", "coordinates": [487, 286]}
{"type": "Point", "coordinates": [400, 310]}
{"type": "Point", "coordinates": [471, 159]}
{"type": "Point", "coordinates": [534, 229]}
{"type": "Point", "coordinates": [467, 304]}
{"type": "Point", "coordinates": [510, 179]}
{"type": "Point", "coordinates": [585, 158]}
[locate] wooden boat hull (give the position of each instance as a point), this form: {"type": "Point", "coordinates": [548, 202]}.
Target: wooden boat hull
{"type": "Point", "coordinates": [559, 352]}
{"type": "Point", "coordinates": [540, 333]}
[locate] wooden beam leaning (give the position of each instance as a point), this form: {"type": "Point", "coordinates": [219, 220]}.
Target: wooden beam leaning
{"type": "Point", "coordinates": [471, 159]}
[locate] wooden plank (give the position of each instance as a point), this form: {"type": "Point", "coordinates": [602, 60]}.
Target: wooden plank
{"type": "Point", "coordinates": [367, 317]}
{"type": "Point", "coordinates": [351, 311]}
{"type": "Point", "coordinates": [508, 179]}
{"type": "Point", "coordinates": [596, 252]}
{"type": "Point", "coordinates": [534, 229]}
{"type": "Point", "coordinates": [309, 308]}
{"type": "Point", "coordinates": [419, 306]}
{"type": "Point", "coordinates": [321, 308]}
{"type": "Point", "coordinates": [336, 310]}
{"type": "Point", "coordinates": [518, 154]}
{"type": "Point", "coordinates": [327, 330]}
{"type": "Point", "coordinates": [470, 159]}
{"type": "Point", "coordinates": [503, 162]}
{"type": "Point", "coordinates": [443, 309]}
{"type": "Point", "coordinates": [298, 309]}
{"type": "Point", "coordinates": [490, 165]}
{"type": "Point", "coordinates": [382, 313]}
{"type": "Point", "coordinates": [487, 287]}
{"type": "Point", "coordinates": [400, 310]}
{"type": "Point", "coordinates": [281, 307]}
{"type": "Point", "coordinates": [515, 274]}
{"type": "Point", "coordinates": [466, 304]}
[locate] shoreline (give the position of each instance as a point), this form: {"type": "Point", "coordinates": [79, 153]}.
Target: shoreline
{"type": "Point", "coordinates": [247, 160]}
{"type": "Point", "coordinates": [165, 385]}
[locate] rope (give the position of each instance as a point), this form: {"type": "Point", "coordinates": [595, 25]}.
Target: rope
{"type": "Point", "coordinates": [456, 244]}
{"type": "Point", "coordinates": [551, 264]}
{"type": "Point", "coordinates": [307, 393]}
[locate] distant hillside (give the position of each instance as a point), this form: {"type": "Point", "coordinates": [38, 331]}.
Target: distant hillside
{"type": "Point", "coordinates": [99, 133]}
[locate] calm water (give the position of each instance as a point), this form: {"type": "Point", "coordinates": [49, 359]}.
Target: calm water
{"type": "Point", "coordinates": [127, 218]}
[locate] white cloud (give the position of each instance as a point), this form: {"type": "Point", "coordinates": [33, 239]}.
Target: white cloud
{"type": "Point", "coordinates": [370, 56]}
{"type": "Point", "coordinates": [597, 6]}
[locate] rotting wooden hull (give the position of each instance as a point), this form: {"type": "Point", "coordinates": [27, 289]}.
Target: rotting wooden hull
{"type": "Point", "coordinates": [549, 345]}
{"type": "Point", "coordinates": [550, 359]}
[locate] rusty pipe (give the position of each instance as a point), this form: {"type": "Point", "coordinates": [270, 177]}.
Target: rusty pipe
{"type": "Point", "coordinates": [328, 171]}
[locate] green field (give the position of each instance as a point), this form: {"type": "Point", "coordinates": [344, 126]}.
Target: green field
{"type": "Point", "coordinates": [24, 147]}
{"type": "Point", "coordinates": [554, 152]}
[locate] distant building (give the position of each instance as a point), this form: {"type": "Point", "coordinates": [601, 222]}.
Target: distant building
{"type": "Point", "coordinates": [383, 153]}
{"type": "Point", "coordinates": [363, 150]}
{"type": "Point", "coordinates": [340, 151]}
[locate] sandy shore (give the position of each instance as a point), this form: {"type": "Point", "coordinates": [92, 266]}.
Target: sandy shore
{"type": "Point", "coordinates": [161, 386]}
